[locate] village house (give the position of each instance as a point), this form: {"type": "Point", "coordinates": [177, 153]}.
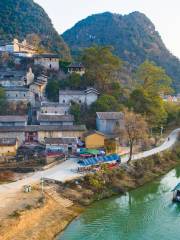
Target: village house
{"type": "Point", "coordinates": [31, 134]}
{"type": "Point", "coordinates": [94, 139]}
{"type": "Point", "coordinates": [8, 148]}
{"type": "Point", "coordinates": [109, 122]}
{"type": "Point", "coordinates": [18, 47]}
{"type": "Point", "coordinates": [64, 145]}
{"type": "Point", "coordinates": [77, 68]}
{"type": "Point", "coordinates": [20, 94]}
{"type": "Point", "coordinates": [14, 78]}
{"type": "Point", "coordinates": [87, 96]}
{"type": "Point", "coordinates": [55, 119]}
{"type": "Point", "coordinates": [54, 108]}
{"type": "Point", "coordinates": [38, 86]}
{"type": "Point", "coordinates": [48, 61]}
{"type": "Point", "coordinates": [98, 140]}
{"type": "Point", "coordinates": [13, 120]}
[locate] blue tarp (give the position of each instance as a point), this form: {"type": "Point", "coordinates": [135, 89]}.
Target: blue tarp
{"type": "Point", "coordinates": [97, 160]}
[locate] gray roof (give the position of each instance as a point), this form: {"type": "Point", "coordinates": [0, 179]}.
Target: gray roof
{"type": "Point", "coordinates": [8, 141]}
{"type": "Point", "coordinates": [13, 118]}
{"type": "Point", "coordinates": [36, 128]}
{"type": "Point", "coordinates": [60, 141]}
{"type": "Point", "coordinates": [46, 55]}
{"type": "Point", "coordinates": [55, 118]}
{"type": "Point", "coordinates": [76, 65]}
{"type": "Point", "coordinates": [109, 115]}
{"type": "Point", "coordinates": [19, 89]}
{"type": "Point", "coordinates": [54, 104]}
{"type": "Point", "coordinates": [77, 92]}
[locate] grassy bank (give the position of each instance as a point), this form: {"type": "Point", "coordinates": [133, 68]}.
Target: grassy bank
{"type": "Point", "coordinates": [107, 183]}
{"type": "Point", "coordinates": [39, 221]}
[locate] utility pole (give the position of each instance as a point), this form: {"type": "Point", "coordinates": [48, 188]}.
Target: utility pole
{"type": "Point", "coordinates": [42, 188]}
{"type": "Point", "coordinates": [161, 131]}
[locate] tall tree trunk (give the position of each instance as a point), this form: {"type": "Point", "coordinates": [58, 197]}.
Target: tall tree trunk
{"type": "Point", "coordinates": [130, 153]}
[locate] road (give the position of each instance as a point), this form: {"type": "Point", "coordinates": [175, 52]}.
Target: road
{"type": "Point", "coordinates": [66, 170]}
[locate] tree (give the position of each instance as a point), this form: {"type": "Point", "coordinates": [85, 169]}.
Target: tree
{"type": "Point", "coordinates": [52, 90]}
{"type": "Point", "coordinates": [75, 110]}
{"type": "Point", "coordinates": [135, 129]}
{"type": "Point", "coordinates": [74, 81]}
{"type": "Point", "coordinates": [3, 102]}
{"type": "Point", "coordinates": [151, 107]}
{"type": "Point", "coordinates": [153, 79]}
{"type": "Point", "coordinates": [106, 103]}
{"type": "Point", "coordinates": [100, 64]}
{"type": "Point", "coordinates": [145, 99]}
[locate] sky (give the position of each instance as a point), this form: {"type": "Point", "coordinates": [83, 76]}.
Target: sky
{"type": "Point", "coordinates": [165, 14]}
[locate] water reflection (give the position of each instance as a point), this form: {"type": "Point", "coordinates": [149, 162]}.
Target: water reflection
{"type": "Point", "coordinates": [146, 213]}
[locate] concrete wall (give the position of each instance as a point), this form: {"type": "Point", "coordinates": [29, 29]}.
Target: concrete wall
{"type": "Point", "coordinates": [59, 110]}
{"type": "Point", "coordinates": [108, 126]}
{"type": "Point", "coordinates": [19, 135]}
{"type": "Point", "coordinates": [58, 134]}
{"type": "Point", "coordinates": [94, 141]}
{"type": "Point", "coordinates": [91, 98]}
{"type": "Point", "coordinates": [57, 123]}
{"type": "Point", "coordinates": [67, 99]}
{"type": "Point", "coordinates": [48, 63]}
{"type": "Point", "coordinates": [17, 96]}
{"type": "Point", "coordinates": [8, 150]}
{"type": "Point", "coordinates": [81, 99]}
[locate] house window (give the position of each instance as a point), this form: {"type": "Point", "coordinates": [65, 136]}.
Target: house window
{"type": "Point", "coordinates": [64, 101]}
{"type": "Point", "coordinates": [24, 95]}
{"type": "Point", "coordinates": [79, 101]}
{"type": "Point", "coordinates": [50, 66]}
{"type": "Point", "coordinates": [16, 95]}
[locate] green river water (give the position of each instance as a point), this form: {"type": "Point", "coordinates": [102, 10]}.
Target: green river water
{"type": "Point", "coordinates": [146, 213]}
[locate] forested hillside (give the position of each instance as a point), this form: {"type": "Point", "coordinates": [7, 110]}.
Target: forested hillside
{"type": "Point", "coordinates": [19, 18]}
{"type": "Point", "coordinates": [133, 37]}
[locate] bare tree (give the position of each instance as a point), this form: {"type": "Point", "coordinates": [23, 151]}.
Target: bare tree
{"type": "Point", "coordinates": [135, 129]}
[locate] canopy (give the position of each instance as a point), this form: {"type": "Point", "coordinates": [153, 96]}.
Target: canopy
{"type": "Point", "coordinates": [98, 160]}
{"type": "Point", "coordinates": [177, 188]}
{"type": "Point", "coordinates": [90, 151]}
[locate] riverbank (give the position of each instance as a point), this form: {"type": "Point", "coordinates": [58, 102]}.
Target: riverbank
{"type": "Point", "coordinates": [45, 221]}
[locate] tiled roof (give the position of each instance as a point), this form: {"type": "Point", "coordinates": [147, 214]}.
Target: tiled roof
{"type": "Point", "coordinates": [54, 104]}
{"type": "Point", "coordinates": [60, 141]}
{"type": "Point", "coordinates": [77, 92]}
{"type": "Point", "coordinates": [93, 132]}
{"type": "Point", "coordinates": [55, 118]}
{"type": "Point", "coordinates": [20, 89]}
{"type": "Point", "coordinates": [13, 118]}
{"type": "Point", "coordinates": [76, 65]}
{"type": "Point", "coordinates": [8, 141]}
{"type": "Point", "coordinates": [35, 128]}
{"type": "Point", "coordinates": [109, 115]}
{"type": "Point", "coordinates": [46, 55]}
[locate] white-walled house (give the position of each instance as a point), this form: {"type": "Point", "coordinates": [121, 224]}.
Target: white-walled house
{"type": "Point", "coordinates": [87, 96]}
{"type": "Point", "coordinates": [47, 60]}
{"type": "Point", "coordinates": [77, 68]}
{"type": "Point", "coordinates": [54, 108]}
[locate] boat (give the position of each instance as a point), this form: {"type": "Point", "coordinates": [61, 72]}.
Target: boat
{"type": "Point", "coordinates": [176, 193]}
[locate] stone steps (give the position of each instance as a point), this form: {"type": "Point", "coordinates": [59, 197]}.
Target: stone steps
{"type": "Point", "coordinates": [62, 201]}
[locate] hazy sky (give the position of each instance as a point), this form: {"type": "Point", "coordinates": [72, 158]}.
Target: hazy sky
{"type": "Point", "coordinates": [165, 14]}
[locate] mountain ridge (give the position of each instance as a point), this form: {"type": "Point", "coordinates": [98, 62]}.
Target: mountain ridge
{"type": "Point", "coordinates": [133, 37]}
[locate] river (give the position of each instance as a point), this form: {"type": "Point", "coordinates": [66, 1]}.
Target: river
{"type": "Point", "coordinates": [146, 213]}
